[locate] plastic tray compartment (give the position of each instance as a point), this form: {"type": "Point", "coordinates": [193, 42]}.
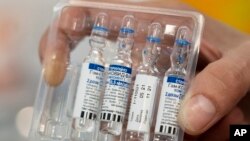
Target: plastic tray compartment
{"type": "Point", "coordinates": [53, 106]}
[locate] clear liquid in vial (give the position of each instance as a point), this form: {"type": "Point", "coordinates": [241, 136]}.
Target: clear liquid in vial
{"type": "Point", "coordinates": [85, 115]}
{"type": "Point", "coordinates": [173, 90]}
{"type": "Point", "coordinates": [145, 89]}
{"type": "Point", "coordinates": [118, 84]}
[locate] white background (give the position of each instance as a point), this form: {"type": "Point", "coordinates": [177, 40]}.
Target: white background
{"type": "Point", "coordinates": [30, 18]}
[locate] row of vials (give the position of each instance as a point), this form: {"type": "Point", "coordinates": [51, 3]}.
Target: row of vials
{"type": "Point", "coordinates": [103, 95]}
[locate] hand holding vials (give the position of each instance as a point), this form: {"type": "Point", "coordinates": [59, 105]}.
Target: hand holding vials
{"type": "Point", "coordinates": [86, 124]}
{"type": "Point", "coordinates": [102, 95]}
{"type": "Point", "coordinates": [206, 110]}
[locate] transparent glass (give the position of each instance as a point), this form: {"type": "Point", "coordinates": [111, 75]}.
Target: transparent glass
{"type": "Point", "coordinates": [52, 116]}
{"type": "Point", "coordinates": [146, 88]}
{"type": "Point", "coordinates": [173, 89]}
{"type": "Point", "coordinates": [119, 74]}
{"type": "Point", "coordinates": [85, 129]}
{"type": "Point", "coordinates": [52, 122]}
{"type": "Point", "coordinates": [85, 117]}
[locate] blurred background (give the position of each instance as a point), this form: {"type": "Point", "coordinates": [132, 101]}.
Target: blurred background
{"type": "Point", "coordinates": [21, 26]}
{"type": "Point", "coordinates": [231, 12]}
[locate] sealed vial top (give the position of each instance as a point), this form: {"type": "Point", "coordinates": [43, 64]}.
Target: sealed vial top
{"type": "Point", "coordinates": [154, 33]}
{"type": "Point", "coordinates": [152, 50]}
{"type": "Point", "coordinates": [179, 56]}
{"type": "Point", "coordinates": [99, 31]}
{"type": "Point", "coordinates": [183, 36]}
{"type": "Point", "coordinates": [128, 25]}
{"type": "Point", "coordinates": [126, 34]}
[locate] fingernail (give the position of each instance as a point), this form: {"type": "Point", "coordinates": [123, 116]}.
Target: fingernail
{"type": "Point", "coordinates": [197, 113]}
{"type": "Point", "coordinates": [56, 61]}
{"type": "Point", "coordinates": [54, 72]}
{"type": "Point", "coordinates": [73, 19]}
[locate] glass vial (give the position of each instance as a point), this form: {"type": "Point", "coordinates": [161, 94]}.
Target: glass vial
{"type": "Point", "coordinates": [85, 114]}
{"type": "Point", "coordinates": [145, 89]}
{"type": "Point", "coordinates": [173, 89]}
{"type": "Point", "coordinates": [118, 82]}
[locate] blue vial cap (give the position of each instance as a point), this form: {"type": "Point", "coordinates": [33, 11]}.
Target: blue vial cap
{"type": "Point", "coordinates": [127, 30]}
{"type": "Point", "coordinates": [183, 36]}
{"type": "Point", "coordinates": [153, 39]}
{"type": "Point", "coordinates": [154, 33]}
{"type": "Point", "coordinates": [128, 24]}
{"type": "Point", "coordinates": [100, 28]}
{"type": "Point", "coordinates": [182, 42]}
{"type": "Point", "coordinates": [101, 22]}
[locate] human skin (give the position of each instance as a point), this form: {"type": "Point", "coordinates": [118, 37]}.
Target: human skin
{"type": "Point", "coordinates": [217, 96]}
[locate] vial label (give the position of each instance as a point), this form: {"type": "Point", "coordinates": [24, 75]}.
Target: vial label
{"type": "Point", "coordinates": [89, 91]}
{"type": "Point", "coordinates": [140, 114]}
{"type": "Point", "coordinates": [116, 93]}
{"type": "Point", "coordinates": [171, 95]}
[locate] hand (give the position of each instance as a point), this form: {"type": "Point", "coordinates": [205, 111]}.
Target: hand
{"type": "Point", "coordinates": [67, 32]}
{"type": "Point", "coordinates": [217, 96]}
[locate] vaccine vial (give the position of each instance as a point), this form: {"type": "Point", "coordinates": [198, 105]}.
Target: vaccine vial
{"type": "Point", "coordinates": [145, 89]}
{"type": "Point", "coordinates": [173, 89]}
{"type": "Point", "coordinates": [86, 108]}
{"type": "Point", "coordinates": [118, 82]}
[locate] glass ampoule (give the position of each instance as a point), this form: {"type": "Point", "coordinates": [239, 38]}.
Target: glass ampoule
{"type": "Point", "coordinates": [173, 89]}
{"type": "Point", "coordinates": [87, 100]}
{"type": "Point", "coordinates": [118, 83]}
{"type": "Point", "coordinates": [145, 89]}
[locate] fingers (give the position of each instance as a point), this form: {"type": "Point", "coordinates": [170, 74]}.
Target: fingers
{"type": "Point", "coordinates": [216, 90]}
{"type": "Point", "coordinates": [56, 60]}
{"type": "Point", "coordinates": [220, 131]}
{"type": "Point", "coordinates": [69, 27]}
{"type": "Point", "coordinates": [236, 116]}
{"type": "Point", "coordinates": [72, 22]}
{"type": "Point", "coordinates": [57, 42]}
{"type": "Point", "coordinates": [43, 44]}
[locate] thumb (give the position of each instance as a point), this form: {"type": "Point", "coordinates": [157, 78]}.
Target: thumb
{"type": "Point", "coordinates": [216, 90]}
{"type": "Point", "coordinates": [56, 59]}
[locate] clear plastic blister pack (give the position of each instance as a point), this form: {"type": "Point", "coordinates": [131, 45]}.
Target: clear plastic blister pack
{"type": "Point", "coordinates": [130, 85]}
